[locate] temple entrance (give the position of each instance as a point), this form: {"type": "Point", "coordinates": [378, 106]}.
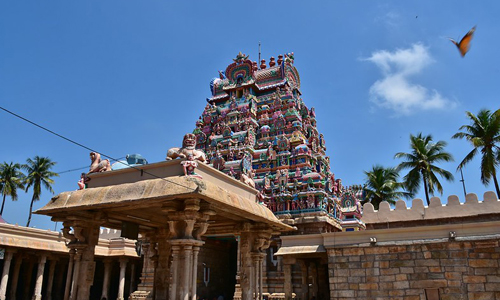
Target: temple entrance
{"type": "Point", "coordinates": [217, 268]}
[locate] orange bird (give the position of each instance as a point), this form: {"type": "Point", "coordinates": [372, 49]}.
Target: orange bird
{"type": "Point", "coordinates": [464, 44]}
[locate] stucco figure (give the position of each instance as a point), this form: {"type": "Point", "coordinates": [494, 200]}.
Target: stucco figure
{"type": "Point", "coordinates": [97, 164]}
{"type": "Point", "coordinates": [188, 148]}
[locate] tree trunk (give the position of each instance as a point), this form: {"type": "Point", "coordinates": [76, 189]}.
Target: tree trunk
{"type": "Point", "coordinates": [425, 189]}
{"type": "Point", "coordinates": [3, 203]}
{"type": "Point", "coordinates": [31, 209]}
{"type": "Point", "coordinates": [494, 180]}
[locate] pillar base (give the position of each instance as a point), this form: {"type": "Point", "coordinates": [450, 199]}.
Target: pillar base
{"type": "Point", "coordinates": [141, 295]}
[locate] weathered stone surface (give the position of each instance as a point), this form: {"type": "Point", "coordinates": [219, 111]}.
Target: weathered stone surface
{"type": "Point", "coordinates": [483, 263]}
{"type": "Point", "coordinates": [474, 279]}
{"type": "Point", "coordinates": [422, 284]}
{"type": "Point", "coordinates": [481, 296]}
{"type": "Point", "coordinates": [455, 268]}
{"type": "Point", "coordinates": [493, 287]}
{"type": "Point", "coordinates": [475, 287]}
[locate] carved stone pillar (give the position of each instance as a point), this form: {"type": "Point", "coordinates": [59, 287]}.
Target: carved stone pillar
{"type": "Point", "coordinates": [288, 288]}
{"type": "Point", "coordinates": [257, 258]}
{"type": "Point", "coordinates": [69, 275]}
{"type": "Point", "coordinates": [28, 276]}
{"type": "Point", "coordinates": [107, 274]}
{"type": "Point", "coordinates": [184, 268]}
{"type": "Point", "coordinates": [187, 222]}
{"type": "Point", "coordinates": [59, 284]}
{"type": "Point", "coordinates": [87, 263]}
{"type": "Point", "coordinates": [121, 285]}
{"type": "Point", "coordinates": [50, 281]}
{"type": "Point", "coordinates": [314, 280]}
{"type": "Point", "coordinates": [175, 272]}
{"type": "Point", "coordinates": [37, 295]}
{"type": "Point", "coordinates": [76, 275]}
{"type": "Point", "coordinates": [5, 274]}
{"type": "Point", "coordinates": [186, 257]}
{"type": "Point", "coordinates": [146, 283]}
{"type": "Point", "coordinates": [196, 251]}
{"type": "Point", "coordinates": [83, 238]}
{"type": "Point", "coordinates": [305, 286]}
{"type": "Point", "coordinates": [15, 276]}
{"type": "Point", "coordinates": [132, 278]}
{"type": "Point", "coordinates": [162, 271]}
{"type": "Point", "coordinates": [254, 241]}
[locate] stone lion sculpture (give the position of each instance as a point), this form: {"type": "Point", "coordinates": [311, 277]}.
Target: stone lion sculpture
{"type": "Point", "coordinates": [188, 148]}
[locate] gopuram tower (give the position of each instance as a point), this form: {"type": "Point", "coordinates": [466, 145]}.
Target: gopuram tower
{"type": "Point", "coordinates": [256, 128]}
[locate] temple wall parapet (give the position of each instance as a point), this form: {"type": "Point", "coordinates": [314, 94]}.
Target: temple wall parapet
{"type": "Point", "coordinates": [453, 208]}
{"type": "Point", "coordinates": [16, 236]}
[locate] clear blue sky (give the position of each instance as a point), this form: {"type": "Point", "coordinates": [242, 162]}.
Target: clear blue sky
{"type": "Point", "coordinates": [129, 77]}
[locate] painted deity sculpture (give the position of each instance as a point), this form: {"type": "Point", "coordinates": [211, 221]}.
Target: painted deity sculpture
{"type": "Point", "coordinates": [189, 165]}
{"type": "Point", "coordinates": [97, 164]}
{"type": "Point", "coordinates": [188, 148]}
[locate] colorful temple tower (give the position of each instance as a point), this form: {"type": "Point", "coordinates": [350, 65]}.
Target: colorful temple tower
{"type": "Point", "coordinates": [256, 128]}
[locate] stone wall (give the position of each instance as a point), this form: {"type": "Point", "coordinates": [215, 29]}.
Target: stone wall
{"type": "Point", "coordinates": [454, 269]}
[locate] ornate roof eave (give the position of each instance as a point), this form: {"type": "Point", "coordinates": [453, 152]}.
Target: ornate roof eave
{"type": "Point", "coordinates": [274, 85]}
{"type": "Point", "coordinates": [217, 98]}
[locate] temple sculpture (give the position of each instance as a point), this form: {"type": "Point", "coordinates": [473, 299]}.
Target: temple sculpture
{"type": "Point", "coordinates": [257, 128]}
{"type": "Point", "coordinates": [98, 164]}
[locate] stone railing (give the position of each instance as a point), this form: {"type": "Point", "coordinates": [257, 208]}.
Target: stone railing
{"type": "Point", "coordinates": [472, 207]}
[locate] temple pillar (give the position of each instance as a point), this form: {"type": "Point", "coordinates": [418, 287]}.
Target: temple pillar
{"type": "Point", "coordinates": [187, 257]}
{"type": "Point", "coordinates": [15, 276]}
{"type": "Point", "coordinates": [175, 273]}
{"type": "Point", "coordinates": [257, 258]}
{"type": "Point", "coordinates": [314, 280]}
{"type": "Point", "coordinates": [37, 295]}
{"type": "Point", "coordinates": [132, 278]}
{"type": "Point", "coordinates": [287, 269]}
{"type": "Point", "coordinates": [237, 288]}
{"type": "Point", "coordinates": [50, 281]}
{"type": "Point", "coordinates": [146, 283]}
{"type": "Point", "coordinates": [304, 270]}
{"type": "Point", "coordinates": [5, 274]}
{"type": "Point", "coordinates": [162, 269]}
{"type": "Point", "coordinates": [27, 283]}
{"type": "Point", "coordinates": [254, 242]}
{"type": "Point", "coordinates": [82, 235]}
{"type": "Point", "coordinates": [107, 273]}
{"type": "Point", "coordinates": [184, 268]}
{"type": "Point", "coordinates": [59, 284]}
{"type": "Point", "coordinates": [69, 275]}
{"type": "Point", "coordinates": [196, 251]}
{"type": "Point", "coordinates": [76, 275]}
{"type": "Point", "coordinates": [87, 263]}
{"type": "Point", "coordinates": [121, 285]}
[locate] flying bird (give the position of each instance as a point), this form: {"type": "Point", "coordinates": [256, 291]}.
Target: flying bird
{"type": "Point", "coordinates": [464, 44]}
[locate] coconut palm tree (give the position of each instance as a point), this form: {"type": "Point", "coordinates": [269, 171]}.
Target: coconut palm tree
{"type": "Point", "coordinates": [38, 174]}
{"type": "Point", "coordinates": [421, 163]}
{"type": "Point", "coordinates": [11, 179]}
{"type": "Point", "coordinates": [382, 184]}
{"type": "Point", "coordinates": [484, 135]}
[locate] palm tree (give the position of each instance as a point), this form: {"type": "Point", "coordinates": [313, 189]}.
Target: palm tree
{"type": "Point", "coordinates": [11, 179]}
{"type": "Point", "coordinates": [421, 162]}
{"type": "Point", "coordinates": [484, 135]}
{"type": "Point", "coordinates": [382, 184]}
{"type": "Point", "coordinates": [38, 174]}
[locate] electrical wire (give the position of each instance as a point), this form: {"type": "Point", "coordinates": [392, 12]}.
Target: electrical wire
{"type": "Point", "coordinates": [90, 149]}
{"type": "Point", "coordinates": [82, 168]}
